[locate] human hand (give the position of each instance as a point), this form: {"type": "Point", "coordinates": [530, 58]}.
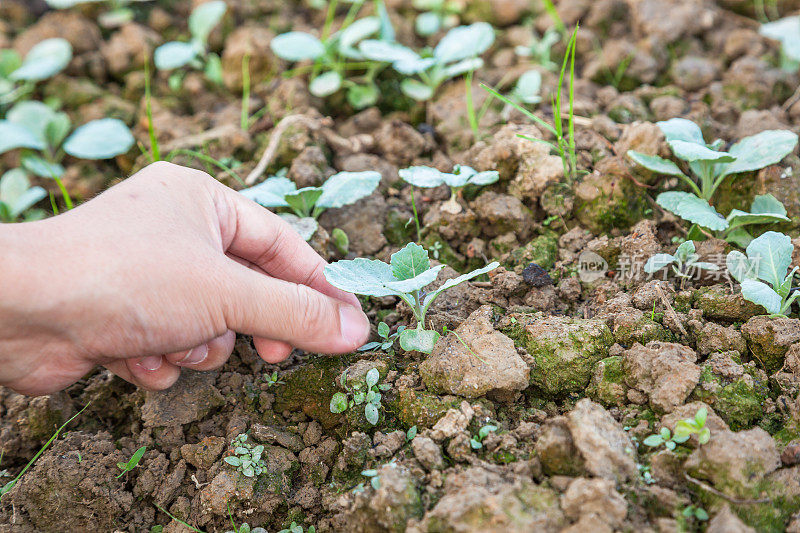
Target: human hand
{"type": "Point", "coordinates": [156, 274]}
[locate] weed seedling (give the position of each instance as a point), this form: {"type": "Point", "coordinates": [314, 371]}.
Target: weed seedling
{"type": "Point", "coordinates": [540, 49]}
{"type": "Point", "coordinates": [132, 463]}
{"type": "Point", "coordinates": [19, 76]}
{"type": "Point", "coordinates": [411, 433]}
{"type": "Point", "coordinates": [246, 456]}
{"type": "Point", "coordinates": [17, 197]}
{"type": "Point", "coordinates": [367, 394]}
{"type": "Point", "coordinates": [272, 379]}
{"type": "Point", "coordinates": [407, 274]}
{"type": "Point", "coordinates": [294, 527]}
{"type": "Point", "coordinates": [476, 442]}
{"type": "Point", "coordinates": [710, 166]}
{"type": "Point", "coordinates": [429, 178]}
{"type": "Point", "coordinates": [437, 15]}
{"type": "Point", "coordinates": [762, 272]}
{"type": "Point", "coordinates": [308, 203]}
{"type": "Point", "coordinates": [684, 262]}
{"type": "Point", "coordinates": [178, 54]}
{"type": "Point", "coordinates": [683, 430]}
{"type": "Point", "coordinates": [694, 512]}
{"type": "Point", "coordinates": [387, 339]}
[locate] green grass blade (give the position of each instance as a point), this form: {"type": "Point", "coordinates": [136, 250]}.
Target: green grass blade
{"type": "Point", "coordinates": [519, 108]}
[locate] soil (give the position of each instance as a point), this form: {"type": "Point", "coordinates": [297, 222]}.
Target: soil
{"type": "Point", "coordinates": [574, 372]}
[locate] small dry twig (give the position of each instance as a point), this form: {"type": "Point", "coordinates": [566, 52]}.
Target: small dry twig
{"type": "Point", "coordinates": [220, 132]}
{"type": "Point", "coordinates": [722, 495]}
{"type": "Point", "coordinates": [670, 309]}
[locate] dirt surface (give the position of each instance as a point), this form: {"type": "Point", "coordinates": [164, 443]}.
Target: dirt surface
{"type": "Point", "coordinates": [574, 373]}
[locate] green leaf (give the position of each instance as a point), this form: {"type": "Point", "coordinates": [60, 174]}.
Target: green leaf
{"type": "Point", "coordinates": [416, 90]}
{"type": "Point", "coordinates": [740, 267]}
{"type": "Point", "coordinates": [423, 177]}
{"type": "Point", "coordinates": [371, 413]}
{"type": "Point", "coordinates": [40, 167]}
{"type": "Point", "coordinates": [463, 66]}
{"type": "Point", "coordinates": [670, 445]}
{"type": "Point", "coordinates": [420, 340]}
{"type": "Point", "coordinates": [685, 251]}
{"type": "Point", "coordinates": [765, 209]}
{"type": "Point", "coordinates": [659, 165]}
{"type": "Point", "coordinates": [483, 178]}
{"type": "Point", "coordinates": [528, 87]}
{"type": "Point", "coordinates": [427, 24]}
{"type": "Point", "coordinates": [356, 32]}
{"type": "Point", "coordinates": [761, 294]}
{"type": "Point", "coordinates": [204, 18]}
{"type": "Point", "coordinates": [464, 42]}
{"type": "Point", "coordinates": [13, 136]}
{"type": "Point", "coordinates": [387, 52]}
{"type": "Point", "coordinates": [302, 201]}
{"type": "Point", "coordinates": [233, 460]}
{"type": "Point", "coordinates": [690, 207]}
{"type": "Point", "coordinates": [411, 433]}
{"type": "Point", "coordinates": [361, 276]}
{"type": "Point", "coordinates": [456, 281]}
{"type": "Point", "coordinates": [340, 240]}
{"type": "Point", "coordinates": [681, 129]}
{"type": "Point", "coordinates": [34, 116]}
{"type": "Point", "coordinates": [689, 151]}
{"type": "Point", "coordinates": [306, 227]}
{"type": "Point", "coordinates": [701, 514]}
{"type": "Point", "coordinates": [653, 440]}
{"type": "Point", "coordinates": [100, 139]}
{"type": "Point", "coordinates": [772, 255]}
{"type": "Point", "coordinates": [409, 262]}
{"type": "Point", "coordinates": [761, 150]}
{"type": "Point", "coordinates": [325, 84]}
{"type": "Point", "coordinates": [271, 192]}
{"type": "Point", "coordinates": [701, 416]}
{"type": "Point", "coordinates": [57, 129]}
{"type": "Point", "coordinates": [475, 444]}
{"type": "Point", "coordinates": [787, 31]}
{"type": "Point", "coordinates": [297, 46]}
{"type": "Point", "coordinates": [338, 403]}
{"type": "Point", "coordinates": [657, 262]}
{"type": "Point", "coordinates": [346, 188]}
{"type": "Point", "coordinates": [704, 436]}
{"type": "Point", "coordinates": [665, 433]}
{"type": "Point", "coordinates": [136, 457]}
{"type": "Point", "coordinates": [44, 60]}
{"type": "Point", "coordinates": [419, 281]}
{"type": "Point", "coordinates": [363, 96]}
{"type": "Point", "coordinates": [174, 54]}
{"type": "Point", "coordinates": [383, 330]}
{"type": "Point", "coordinates": [372, 377]}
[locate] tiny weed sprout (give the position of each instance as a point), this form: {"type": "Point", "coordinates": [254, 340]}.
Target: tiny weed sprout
{"type": "Point", "coordinates": [367, 394]}
{"type": "Point", "coordinates": [245, 528]}
{"type": "Point", "coordinates": [539, 49]}
{"type": "Point", "coordinates": [436, 15]}
{"type": "Point", "coordinates": [18, 76]}
{"type": "Point", "coordinates": [428, 178]}
{"type": "Point", "coordinates": [762, 272]}
{"type": "Point", "coordinates": [272, 379]}
{"type": "Point", "coordinates": [710, 167]}
{"type": "Point", "coordinates": [17, 197]}
{"type": "Point", "coordinates": [132, 463]}
{"type": "Point", "coordinates": [407, 274]}
{"type": "Point", "coordinates": [294, 527]}
{"type": "Point", "coordinates": [411, 433]}
{"type": "Point", "coordinates": [684, 262]}
{"type": "Point", "coordinates": [476, 442]}
{"type": "Point", "coordinates": [246, 456]}
{"type": "Point", "coordinates": [177, 54]}
{"type": "Point", "coordinates": [118, 14]}
{"type": "Point", "coordinates": [40, 132]}
{"type": "Point", "coordinates": [563, 128]}
{"type": "Point", "coordinates": [387, 339]}
{"type": "Point", "coordinates": [683, 430]}
{"type": "Point", "coordinates": [308, 203]}
{"type": "Point", "coordinates": [456, 54]}
{"type": "Point", "coordinates": [787, 32]}
{"type": "Point", "coordinates": [692, 511]}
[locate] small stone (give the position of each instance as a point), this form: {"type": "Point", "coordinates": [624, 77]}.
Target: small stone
{"type": "Point", "coordinates": [594, 496]}
{"type": "Point", "coordinates": [450, 425]}
{"type": "Point", "coordinates": [279, 436]}
{"type": "Point", "coordinates": [790, 455]}
{"type": "Point", "coordinates": [769, 338]}
{"type": "Point", "coordinates": [427, 452]}
{"type": "Point", "coordinates": [190, 399]}
{"type": "Point", "coordinates": [536, 276]}
{"type": "Point", "coordinates": [664, 371]}
{"type": "Point", "coordinates": [205, 453]}
{"type": "Point", "coordinates": [727, 522]}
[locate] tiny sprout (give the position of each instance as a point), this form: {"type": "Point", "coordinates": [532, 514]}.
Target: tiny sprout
{"type": "Point", "coordinates": [477, 441]}
{"type": "Point", "coordinates": [246, 457]}
{"type": "Point", "coordinates": [132, 462]}
{"type": "Point", "coordinates": [692, 511]}
{"type": "Point", "coordinates": [683, 430]}
{"type": "Point", "coordinates": [411, 433]}
{"type": "Point", "coordinates": [367, 393]}
{"type": "Point", "coordinates": [388, 340]}
{"type": "Point", "coordinates": [294, 527]}
{"type": "Point", "coordinates": [462, 175]}
{"type": "Point", "coordinates": [683, 262]}
{"type": "Point", "coordinates": [374, 478]}
{"type": "Point", "coordinates": [272, 379]}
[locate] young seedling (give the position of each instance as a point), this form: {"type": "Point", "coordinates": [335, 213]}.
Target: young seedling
{"type": "Point", "coordinates": [308, 203]}
{"type": "Point", "coordinates": [436, 15]}
{"type": "Point", "coordinates": [683, 430]}
{"type": "Point", "coordinates": [407, 274]}
{"type": "Point", "coordinates": [762, 272]}
{"type": "Point", "coordinates": [540, 49]}
{"type": "Point", "coordinates": [411, 433]}
{"type": "Point", "coordinates": [476, 442]}
{"type": "Point", "coordinates": [245, 528]}
{"type": "Point", "coordinates": [246, 456]}
{"type": "Point", "coordinates": [41, 132]}
{"type": "Point", "coordinates": [710, 167]}
{"type": "Point", "coordinates": [18, 76]}
{"type": "Point", "coordinates": [456, 54]}
{"type": "Point", "coordinates": [334, 55]}
{"type": "Point", "coordinates": [692, 511]}
{"type": "Point", "coordinates": [367, 394]}
{"type": "Point", "coordinates": [387, 339]}
{"type": "Point", "coordinates": [294, 527]}
{"type": "Point", "coordinates": [684, 262]}
{"type": "Point", "coordinates": [563, 128]}
{"type": "Point", "coordinates": [178, 54]}
{"type": "Point", "coordinates": [429, 178]}
{"type": "Point", "coordinates": [132, 463]}
{"type": "Point", "coordinates": [17, 197]}
{"type": "Point", "coordinates": [787, 32]}
{"type": "Point", "coordinates": [118, 14]}
{"type": "Point", "coordinates": [272, 379]}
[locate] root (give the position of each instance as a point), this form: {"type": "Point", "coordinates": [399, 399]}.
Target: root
{"type": "Point", "coordinates": [722, 495]}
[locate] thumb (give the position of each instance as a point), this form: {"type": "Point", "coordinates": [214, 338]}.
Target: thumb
{"type": "Point", "coordinates": [259, 305]}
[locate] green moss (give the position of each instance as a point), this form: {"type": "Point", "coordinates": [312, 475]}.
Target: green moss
{"type": "Point", "coordinates": [419, 408]}
{"type": "Point", "coordinates": [608, 386]}
{"type": "Point", "coordinates": [740, 403]}
{"type": "Point", "coordinates": [717, 303]}
{"type": "Point", "coordinates": [643, 330]}
{"type": "Point", "coordinates": [310, 388]}
{"type": "Point", "coordinates": [604, 203]}
{"type": "Point", "coordinates": [542, 250]}
{"type": "Point", "coordinates": [397, 230]}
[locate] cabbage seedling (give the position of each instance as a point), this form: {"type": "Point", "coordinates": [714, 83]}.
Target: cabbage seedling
{"type": "Point", "coordinates": [539, 49]}
{"type": "Point", "coordinates": [17, 197]}
{"type": "Point", "coordinates": [457, 53]}
{"type": "Point", "coordinates": [332, 57]}
{"type": "Point", "coordinates": [683, 262]}
{"type": "Point", "coordinates": [710, 166]}
{"type": "Point", "coordinates": [428, 178]}
{"type": "Point", "coordinates": [308, 203]}
{"type": "Point", "coordinates": [18, 76]}
{"type": "Point", "coordinates": [43, 134]}
{"type": "Point", "coordinates": [437, 15]}
{"type": "Point", "coordinates": [406, 276]}
{"type": "Point", "coordinates": [762, 272]}
{"type": "Point", "coordinates": [787, 32]}
{"type": "Point", "coordinates": [176, 54]}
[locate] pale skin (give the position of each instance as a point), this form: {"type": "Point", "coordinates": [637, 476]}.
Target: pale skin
{"type": "Point", "coordinates": [157, 275]}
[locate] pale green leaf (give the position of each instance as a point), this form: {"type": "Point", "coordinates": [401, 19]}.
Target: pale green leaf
{"type": "Point", "coordinates": [40, 167]}
{"type": "Point", "coordinates": [765, 209]}
{"type": "Point", "coordinates": [424, 177]}
{"type": "Point", "coordinates": [271, 192]}
{"type": "Point", "coordinates": [99, 139]}
{"type": "Point", "coordinates": [656, 164]}
{"type": "Point", "coordinates": [740, 267]}
{"type": "Point", "coordinates": [174, 54]}
{"type": "Point", "coordinates": [685, 251]}
{"type": "Point", "coordinates": [787, 31]}
{"type": "Point", "coordinates": [681, 129]}
{"type": "Point", "coordinates": [419, 340]}
{"type": "Point", "coordinates": [416, 283]}
{"type": "Point", "coordinates": [338, 403]}
{"type": "Point", "coordinates": [387, 52]}
{"type": "Point", "coordinates": [464, 42]}
{"type": "Point", "coordinates": [13, 136]}
{"type": "Point", "coordinates": [306, 227]}
{"type": "Point", "coordinates": [372, 377]}
{"type": "Point", "coordinates": [463, 66]}
{"type": "Point", "coordinates": [346, 188]}
{"type": "Point", "coordinates": [761, 150]}
{"type": "Point", "coordinates": [297, 46]}
{"type": "Point", "coordinates": [416, 90]}
{"type": "Point", "coordinates": [690, 207]}
{"type": "Point", "coordinates": [689, 151]}
{"type": "Point", "coordinates": [772, 255]}
{"type": "Point", "coordinates": [33, 116]}
{"type": "Point", "coordinates": [204, 18]}
{"type": "Point", "coordinates": [409, 262]}
{"type": "Point", "coordinates": [456, 281]}
{"type": "Point", "coordinates": [363, 96]}
{"type": "Point", "coordinates": [528, 87]}
{"type": "Point", "coordinates": [371, 413]}
{"type": "Point", "coordinates": [761, 294]}
{"type": "Point", "coordinates": [356, 32]}
{"type": "Point", "coordinates": [325, 84]}
{"type": "Point", "coordinates": [361, 276]}
{"type": "Point", "coordinates": [428, 23]}
{"type": "Point", "coordinates": [44, 60]}
{"type": "Point", "coordinates": [657, 262]}
{"type": "Point", "coordinates": [302, 201]}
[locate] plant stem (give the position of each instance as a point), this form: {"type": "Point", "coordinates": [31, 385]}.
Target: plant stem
{"type": "Point", "coordinates": [473, 119]}
{"type": "Point", "coordinates": [416, 217]}
{"type": "Point", "coordinates": [418, 314]}
{"type": "Point", "coordinates": [155, 154]}
{"type": "Point", "coordinates": [64, 193]}
{"type": "Point", "coordinates": [245, 119]}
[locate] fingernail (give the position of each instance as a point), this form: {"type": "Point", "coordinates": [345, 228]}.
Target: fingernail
{"type": "Point", "coordinates": [151, 363]}
{"type": "Point", "coordinates": [353, 325]}
{"type": "Point", "coordinates": [195, 356]}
